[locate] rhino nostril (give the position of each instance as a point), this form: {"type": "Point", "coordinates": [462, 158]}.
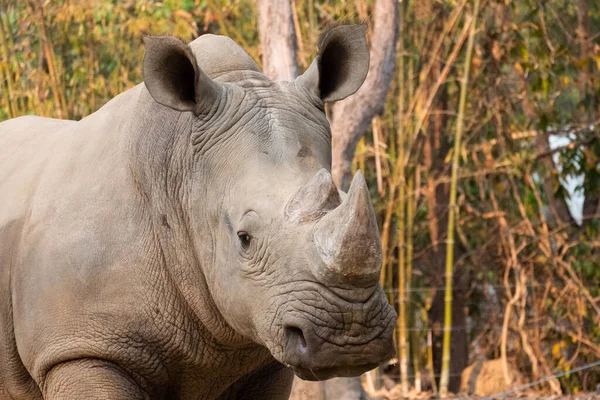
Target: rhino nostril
{"type": "Point", "coordinates": [295, 338]}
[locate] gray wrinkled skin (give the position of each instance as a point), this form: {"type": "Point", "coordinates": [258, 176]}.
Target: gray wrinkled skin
{"type": "Point", "coordinates": [146, 251]}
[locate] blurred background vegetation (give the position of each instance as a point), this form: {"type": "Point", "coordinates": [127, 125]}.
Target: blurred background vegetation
{"type": "Point", "coordinates": [527, 247]}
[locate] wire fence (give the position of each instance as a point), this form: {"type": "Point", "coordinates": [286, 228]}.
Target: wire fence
{"type": "Point", "coordinates": [483, 286]}
{"type": "Point", "coordinates": [538, 320]}
{"type": "Point", "coordinates": [518, 389]}
{"type": "Point", "coordinates": [482, 325]}
{"type": "Point", "coordinates": [556, 375]}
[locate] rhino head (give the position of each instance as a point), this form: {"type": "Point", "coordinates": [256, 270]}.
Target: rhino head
{"type": "Point", "coordinates": [291, 262]}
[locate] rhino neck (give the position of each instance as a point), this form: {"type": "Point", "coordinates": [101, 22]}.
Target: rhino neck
{"type": "Point", "coordinates": [162, 165]}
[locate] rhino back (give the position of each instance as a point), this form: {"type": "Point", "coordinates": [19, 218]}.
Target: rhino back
{"type": "Point", "coordinates": [41, 156]}
{"type": "Point", "coordinates": [69, 219]}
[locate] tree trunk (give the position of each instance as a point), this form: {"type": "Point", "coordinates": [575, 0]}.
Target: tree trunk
{"type": "Point", "coordinates": [351, 116]}
{"type": "Point", "coordinates": [278, 39]}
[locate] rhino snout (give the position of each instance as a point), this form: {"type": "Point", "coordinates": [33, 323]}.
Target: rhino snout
{"type": "Point", "coordinates": [313, 359]}
{"type": "Point", "coordinates": [316, 349]}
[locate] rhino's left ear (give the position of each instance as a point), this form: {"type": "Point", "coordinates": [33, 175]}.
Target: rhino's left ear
{"type": "Point", "coordinates": [173, 77]}
{"type": "Point", "coordinates": [341, 65]}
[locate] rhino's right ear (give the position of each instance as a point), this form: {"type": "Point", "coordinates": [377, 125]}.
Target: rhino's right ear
{"type": "Point", "coordinates": [173, 77]}
{"type": "Point", "coordinates": [341, 65]}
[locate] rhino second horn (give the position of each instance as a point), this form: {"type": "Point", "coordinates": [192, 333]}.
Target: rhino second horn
{"type": "Point", "coordinates": [314, 200]}
{"type": "Point", "coordinates": [347, 238]}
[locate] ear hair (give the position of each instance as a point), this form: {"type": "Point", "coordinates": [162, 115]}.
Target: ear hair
{"type": "Point", "coordinates": [330, 26]}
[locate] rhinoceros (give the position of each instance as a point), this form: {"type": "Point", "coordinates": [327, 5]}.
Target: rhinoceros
{"type": "Point", "coordinates": [187, 241]}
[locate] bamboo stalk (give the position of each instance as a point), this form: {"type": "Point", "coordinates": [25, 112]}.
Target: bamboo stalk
{"type": "Point", "coordinates": [374, 376]}
{"type": "Point", "coordinates": [430, 369]}
{"type": "Point", "coordinates": [61, 108]}
{"type": "Point", "coordinates": [385, 278]}
{"type": "Point", "coordinates": [40, 97]}
{"type": "Point", "coordinates": [416, 362]}
{"type": "Point", "coordinates": [10, 89]}
{"type": "Point", "coordinates": [400, 215]}
{"type": "Point", "coordinates": [424, 115]}
{"type": "Point", "coordinates": [9, 34]}
{"type": "Point", "coordinates": [434, 54]}
{"type": "Point", "coordinates": [385, 235]}
{"type": "Point", "coordinates": [216, 8]}
{"type": "Point", "coordinates": [444, 379]}
{"type": "Point", "coordinates": [91, 64]}
{"type": "Point", "coordinates": [410, 206]}
{"type": "Point", "coordinates": [360, 150]}
{"type": "Point", "coordinates": [417, 97]}
{"type": "Point", "coordinates": [402, 343]}
{"type": "Point", "coordinates": [6, 93]}
{"type": "Point", "coordinates": [312, 20]}
{"type": "Point", "coordinates": [298, 31]}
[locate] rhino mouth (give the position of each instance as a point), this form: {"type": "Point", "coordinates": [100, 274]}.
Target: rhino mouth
{"type": "Point", "coordinates": [326, 332]}
{"type": "Point", "coordinates": [316, 352]}
{"type": "Point", "coordinates": [312, 358]}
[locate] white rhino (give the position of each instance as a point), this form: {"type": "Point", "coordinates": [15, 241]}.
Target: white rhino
{"type": "Point", "coordinates": [187, 241]}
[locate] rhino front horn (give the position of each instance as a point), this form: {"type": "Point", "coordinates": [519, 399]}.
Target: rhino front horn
{"type": "Point", "coordinates": [347, 238]}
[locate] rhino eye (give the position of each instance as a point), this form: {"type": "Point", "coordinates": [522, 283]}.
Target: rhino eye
{"type": "Point", "coordinates": [244, 239]}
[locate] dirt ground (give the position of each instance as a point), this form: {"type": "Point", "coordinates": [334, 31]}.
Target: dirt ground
{"type": "Point", "coordinates": [394, 394]}
{"type": "Point", "coordinates": [583, 396]}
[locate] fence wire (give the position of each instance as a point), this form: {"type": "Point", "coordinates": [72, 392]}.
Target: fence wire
{"type": "Point", "coordinates": [542, 380]}
{"type": "Point", "coordinates": [499, 288]}
{"type": "Point", "coordinates": [468, 288]}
